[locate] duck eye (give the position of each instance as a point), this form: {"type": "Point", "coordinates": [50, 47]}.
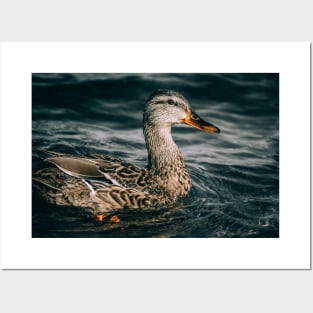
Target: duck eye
{"type": "Point", "coordinates": [170, 101]}
{"type": "Point", "coordinates": [195, 117]}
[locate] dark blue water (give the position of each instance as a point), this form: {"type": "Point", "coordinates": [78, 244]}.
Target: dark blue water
{"type": "Point", "coordinates": [235, 174]}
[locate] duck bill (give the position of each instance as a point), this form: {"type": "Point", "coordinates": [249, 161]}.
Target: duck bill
{"type": "Point", "coordinates": [194, 120]}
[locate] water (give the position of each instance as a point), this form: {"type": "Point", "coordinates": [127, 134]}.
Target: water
{"type": "Point", "coordinates": [235, 173]}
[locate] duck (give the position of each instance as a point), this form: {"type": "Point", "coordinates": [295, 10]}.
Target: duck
{"type": "Point", "coordinates": [104, 183]}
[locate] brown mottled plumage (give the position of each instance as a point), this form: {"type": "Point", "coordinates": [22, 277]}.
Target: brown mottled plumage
{"type": "Point", "coordinates": [105, 183]}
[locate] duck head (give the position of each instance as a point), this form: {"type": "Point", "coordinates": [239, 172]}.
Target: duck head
{"type": "Point", "coordinates": [166, 107]}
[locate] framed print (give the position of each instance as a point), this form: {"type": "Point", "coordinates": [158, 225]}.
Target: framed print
{"type": "Point", "coordinates": [155, 155]}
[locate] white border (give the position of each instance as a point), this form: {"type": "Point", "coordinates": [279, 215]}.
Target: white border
{"type": "Point", "coordinates": [290, 251]}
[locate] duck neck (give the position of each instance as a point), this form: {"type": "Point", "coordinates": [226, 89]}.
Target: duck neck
{"type": "Point", "coordinates": [164, 155]}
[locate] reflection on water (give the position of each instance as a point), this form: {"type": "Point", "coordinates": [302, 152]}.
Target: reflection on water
{"type": "Point", "coordinates": [235, 174]}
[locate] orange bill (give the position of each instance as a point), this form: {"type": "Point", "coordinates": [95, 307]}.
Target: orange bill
{"type": "Point", "coordinates": [194, 120]}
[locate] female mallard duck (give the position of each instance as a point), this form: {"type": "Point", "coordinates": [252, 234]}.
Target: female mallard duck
{"type": "Point", "coordinates": [104, 183]}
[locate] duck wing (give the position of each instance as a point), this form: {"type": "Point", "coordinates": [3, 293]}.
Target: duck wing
{"type": "Point", "coordinates": [101, 195]}
{"type": "Point", "coordinates": [105, 169]}
{"type": "Point", "coordinates": [77, 167]}
{"type": "Point", "coordinates": [125, 173]}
